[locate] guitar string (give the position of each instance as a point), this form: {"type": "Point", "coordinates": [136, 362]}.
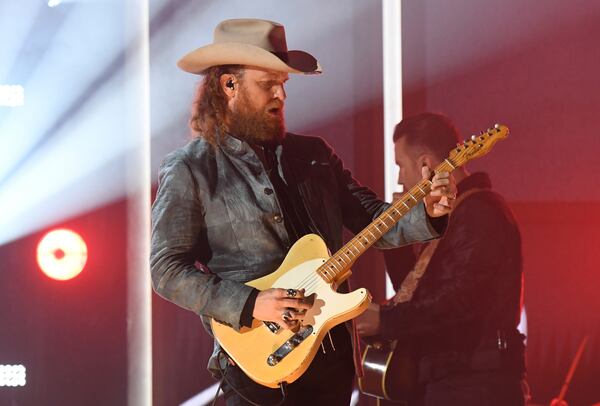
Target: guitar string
{"type": "Point", "coordinates": [312, 280]}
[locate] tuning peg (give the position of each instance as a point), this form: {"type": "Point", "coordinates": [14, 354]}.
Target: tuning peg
{"type": "Point", "coordinates": [497, 126]}
{"type": "Point", "coordinates": [473, 137]}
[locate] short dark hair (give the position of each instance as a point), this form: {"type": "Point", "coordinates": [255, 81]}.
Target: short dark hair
{"type": "Point", "coordinates": [431, 131]}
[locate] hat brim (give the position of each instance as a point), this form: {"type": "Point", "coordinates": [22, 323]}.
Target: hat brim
{"type": "Point", "coordinates": [235, 53]}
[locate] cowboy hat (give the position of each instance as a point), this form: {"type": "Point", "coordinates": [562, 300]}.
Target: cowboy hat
{"type": "Point", "coordinates": [252, 42]}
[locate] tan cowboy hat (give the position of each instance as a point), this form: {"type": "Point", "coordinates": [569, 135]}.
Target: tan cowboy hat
{"type": "Point", "coordinates": [252, 42]}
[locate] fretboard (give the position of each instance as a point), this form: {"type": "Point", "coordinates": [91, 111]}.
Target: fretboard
{"type": "Point", "coordinates": [339, 262]}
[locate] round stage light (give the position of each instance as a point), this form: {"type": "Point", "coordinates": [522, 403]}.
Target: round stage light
{"type": "Point", "coordinates": [62, 254]}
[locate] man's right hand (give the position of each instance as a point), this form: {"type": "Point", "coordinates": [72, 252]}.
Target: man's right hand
{"type": "Point", "coordinates": [285, 307]}
{"type": "Point", "coordinates": [369, 322]}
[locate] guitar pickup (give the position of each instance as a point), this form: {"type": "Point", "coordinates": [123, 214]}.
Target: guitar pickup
{"type": "Point", "coordinates": [289, 345]}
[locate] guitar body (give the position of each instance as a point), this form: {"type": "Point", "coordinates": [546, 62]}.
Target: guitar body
{"type": "Point", "coordinates": [389, 371]}
{"type": "Point", "coordinates": [250, 348]}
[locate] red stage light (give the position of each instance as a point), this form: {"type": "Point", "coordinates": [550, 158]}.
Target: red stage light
{"type": "Point", "coordinates": [62, 254]}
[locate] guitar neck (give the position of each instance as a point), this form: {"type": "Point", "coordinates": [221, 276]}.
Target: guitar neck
{"type": "Point", "coordinates": [339, 263]}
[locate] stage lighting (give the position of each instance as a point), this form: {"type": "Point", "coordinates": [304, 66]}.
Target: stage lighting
{"type": "Point", "coordinates": [12, 375]}
{"type": "Point", "coordinates": [12, 95]}
{"type": "Point", "coordinates": [62, 254]}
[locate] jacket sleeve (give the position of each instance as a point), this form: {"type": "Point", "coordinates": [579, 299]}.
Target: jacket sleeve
{"type": "Point", "coordinates": [360, 206]}
{"type": "Point", "coordinates": [473, 264]}
{"type": "Point", "coordinates": [177, 227]}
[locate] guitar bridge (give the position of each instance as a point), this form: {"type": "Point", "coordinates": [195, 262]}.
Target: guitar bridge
{"type": "Point", "coordinates": [289, 345]}
{"type": "Point", "coordinates": [274, 327]}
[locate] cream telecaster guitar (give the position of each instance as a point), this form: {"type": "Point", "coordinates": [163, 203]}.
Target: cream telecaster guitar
{"type": "Point", "coordinates": [271, 355]}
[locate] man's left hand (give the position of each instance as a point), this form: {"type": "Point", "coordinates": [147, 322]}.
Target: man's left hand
{"type": "Point", "coordinates": [440, 200]}
{"type": "Point", "coordinates": [368, 323]}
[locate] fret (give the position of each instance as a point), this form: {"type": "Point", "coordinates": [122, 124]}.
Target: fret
{"type": "Point", "coordinates": [351, 242]}
{"type": "Point", "coordinates": [390, 216]}
{"type": "Point", "coordinates": [422, 191]}
{"type": "Point", "coordinates": [385, 225]}
{"type": "Point", "coordinates": [327, 274]}
{"type": "Point", "coordinates": [346, 254]}
{"type": "Point", "coordinates": [416, 201]}
{"type": "Point", "coordinates": [398, 212]}
{"type": "Point", "coordinates": [351, 248]}
{"type": "Point", "coordinates": [405, 205]}
{"type": "Point", "coordinates": [340, 260]}
{"type": "Point", "coordinates": [450, 163]}
{"type": "Point", "coordinates": [365, 238]}
{"type": "Point", "coordinates": [385, 219]}
{"type": "Point", "coordinates": [333, 267]}
{"type": "Point", "coordinates": [369, 230]}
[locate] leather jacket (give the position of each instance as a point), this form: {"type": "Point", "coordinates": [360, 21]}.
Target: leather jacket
{"type": "Point", "coordinates": [216, 222]}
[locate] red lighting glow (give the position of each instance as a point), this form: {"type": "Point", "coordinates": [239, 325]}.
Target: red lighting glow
{"type": "Point", "coordinates": [62, 254]}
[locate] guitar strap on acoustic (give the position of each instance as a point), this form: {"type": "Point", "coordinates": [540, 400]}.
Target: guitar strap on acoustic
{"type": "Point", "coordinates": [411, 281]}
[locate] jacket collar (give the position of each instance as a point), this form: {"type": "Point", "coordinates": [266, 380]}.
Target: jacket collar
{"type": "Point", "coordinates": [238, 147]}
{"type": "Point", "coordinates": [479, 180]}
{"type": "Point", "coordinates": [233, 145]}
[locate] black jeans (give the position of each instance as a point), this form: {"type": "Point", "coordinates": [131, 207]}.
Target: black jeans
{"type": "Point", "coordinates": [328, 380]}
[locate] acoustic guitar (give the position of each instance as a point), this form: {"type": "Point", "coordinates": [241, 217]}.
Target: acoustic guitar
{"type": "Point", "coordinates": [389, 366]}
{"type": "Point", "coordinates": [269, 354]}
{"type": "Point", "coordinates": [389, 371]}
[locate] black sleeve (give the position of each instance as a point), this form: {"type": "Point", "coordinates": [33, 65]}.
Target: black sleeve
{"type": "Point", "coordinates": [439, 224]}
{"type": "Point", "coordinates": [473, 260]}
{"type": "Point", "coordinates": [246, 317]}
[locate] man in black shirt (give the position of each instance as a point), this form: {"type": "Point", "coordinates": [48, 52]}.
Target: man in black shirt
{"type": "Point", "coordinates": [462, 317]}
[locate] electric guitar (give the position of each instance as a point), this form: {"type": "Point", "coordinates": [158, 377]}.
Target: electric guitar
{"type": "Point", "coordinates": [269, 354]}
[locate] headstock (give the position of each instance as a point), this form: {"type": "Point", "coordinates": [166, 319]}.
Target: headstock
{"type": "Point", "coordinates": [478, 146]}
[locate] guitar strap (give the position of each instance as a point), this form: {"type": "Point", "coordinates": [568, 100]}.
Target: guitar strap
{"type": "Point", "coordinates": [411, 281]}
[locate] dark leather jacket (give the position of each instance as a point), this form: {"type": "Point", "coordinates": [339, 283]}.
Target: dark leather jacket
{"type": "Point", "coordinates": [216, 222]}
{"type": "Point", "coordinates": [471, 291]}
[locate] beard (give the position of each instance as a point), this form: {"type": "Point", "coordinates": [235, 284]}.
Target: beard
{"type": "Point", "coordinates": [257, 126]}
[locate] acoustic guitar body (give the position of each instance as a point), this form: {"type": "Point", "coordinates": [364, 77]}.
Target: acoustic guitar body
{"type": "Point", "coordinates": [389, 371]}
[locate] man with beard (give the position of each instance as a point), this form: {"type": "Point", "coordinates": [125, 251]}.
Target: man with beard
{"type": "Point", "coordinates": [461, 320]}
{"type": "Point", "coordinates": [232, 202]}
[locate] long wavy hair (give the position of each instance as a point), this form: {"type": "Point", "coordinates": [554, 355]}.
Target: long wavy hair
{"type": "Point", "coordinates": [209, 108]}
